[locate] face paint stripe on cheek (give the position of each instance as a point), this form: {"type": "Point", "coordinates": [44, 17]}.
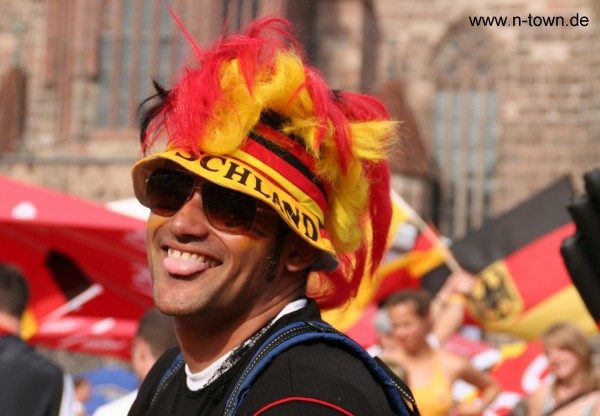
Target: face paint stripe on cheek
{"type": "Point", "coordinates": [155, 221]}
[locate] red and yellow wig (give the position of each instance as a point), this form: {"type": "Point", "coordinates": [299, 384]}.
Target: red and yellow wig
{"type": "Point", "coordinates": [321, 166]}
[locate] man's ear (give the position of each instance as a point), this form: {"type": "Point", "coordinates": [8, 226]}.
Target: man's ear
{"type": "Point", "coordinates": [299, 255]}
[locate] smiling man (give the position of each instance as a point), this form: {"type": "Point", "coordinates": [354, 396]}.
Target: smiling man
{"type": "Point", "coordinates": [270, 200]}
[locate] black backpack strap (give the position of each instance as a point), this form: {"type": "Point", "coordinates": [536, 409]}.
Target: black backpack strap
{"type": "Point", "coordinates": [177, 363]}
{"type": "Point", "coordinates": [402, 386]}
{"type": "Point", "coordinates": [397, 392]}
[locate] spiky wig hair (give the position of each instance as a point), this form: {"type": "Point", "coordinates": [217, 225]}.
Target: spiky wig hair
{"type": "Point", "coordinates": [258, 78]}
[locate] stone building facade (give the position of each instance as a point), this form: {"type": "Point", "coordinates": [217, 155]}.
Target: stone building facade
{"type": "Point", "coordinates": [493, 113]}
{"type": "Point", "coordinates": [540, 84]}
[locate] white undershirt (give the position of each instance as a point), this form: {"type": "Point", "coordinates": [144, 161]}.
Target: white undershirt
{"type": "Point", "coordinates": [197, 381]}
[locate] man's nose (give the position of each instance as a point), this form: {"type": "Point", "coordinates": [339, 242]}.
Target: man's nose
{"type": "Point", "coordinates": [190, 219]}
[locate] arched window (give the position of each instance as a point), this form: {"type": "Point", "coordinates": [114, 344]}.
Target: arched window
{"type": "Point", "coordinates": [140, 41]}
{"type": "Point", "coordinates": [464, 135]}
{"type": "Point", "coordinates": [103, 54]}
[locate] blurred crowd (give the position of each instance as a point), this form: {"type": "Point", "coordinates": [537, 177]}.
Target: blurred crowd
{"type": "Point", "coordinates": [414, 328]}
{"type": "Point", "coordinates": [32, 384]}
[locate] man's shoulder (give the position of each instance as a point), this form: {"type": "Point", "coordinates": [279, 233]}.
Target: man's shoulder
{"type": "Point", "coordinates": [162, 365]}
{"type": "Point", "coordinates": [159, 370]}
{"type": "Point", "coordinates": [325, 370]}
{"type": "Point", "coordinates": [326, 360]}
{"type": "Point", "coordinates": [17, 353]}
{"type": "Point", "coordinates": [316, 350]}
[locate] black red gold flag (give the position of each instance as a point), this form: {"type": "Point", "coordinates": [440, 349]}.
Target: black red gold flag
{"type": "Point", "coordinates": [522, 285]}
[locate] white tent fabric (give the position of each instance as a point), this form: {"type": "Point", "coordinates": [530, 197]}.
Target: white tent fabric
{"type": "Point", "coordinates": [130, 207]}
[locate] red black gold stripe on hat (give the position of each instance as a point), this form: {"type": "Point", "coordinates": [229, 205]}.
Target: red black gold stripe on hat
{"type": "Point", "coordinates": [289, 158]}
{"type": "Point", "coordinates": [270, 167]}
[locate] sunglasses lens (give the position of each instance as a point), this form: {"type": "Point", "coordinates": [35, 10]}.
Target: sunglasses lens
{"type": "Point", "coordinates": [167, 190]}
{"type": "Point", "coordinates": [228, 210]}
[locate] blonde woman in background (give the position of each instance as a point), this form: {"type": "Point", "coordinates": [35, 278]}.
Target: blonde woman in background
{"type": "Point", "coordinates": [573, 389]}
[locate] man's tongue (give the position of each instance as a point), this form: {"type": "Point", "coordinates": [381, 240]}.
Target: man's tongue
{"type": "Point", "coordinates": [179, 266]}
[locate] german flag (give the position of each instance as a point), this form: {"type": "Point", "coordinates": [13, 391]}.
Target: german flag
{"type": "Point", "coordinates": [522, 285]}
{"type": "Point", "coordinates": [406, 270]}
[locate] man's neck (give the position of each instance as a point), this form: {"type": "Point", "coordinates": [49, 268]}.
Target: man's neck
{"type": "Point", "coordinates": [203, 343]}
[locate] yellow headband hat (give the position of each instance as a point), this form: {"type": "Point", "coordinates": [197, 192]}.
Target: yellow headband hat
{"type": "Point", "coordinates": [271, 171]}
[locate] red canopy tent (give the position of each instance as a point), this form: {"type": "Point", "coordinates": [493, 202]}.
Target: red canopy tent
{"type": "Point", "coordinates": [86, 265]}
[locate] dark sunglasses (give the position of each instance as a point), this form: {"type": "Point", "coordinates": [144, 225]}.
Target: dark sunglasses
{"type": "Point", "coordinates": [167, 190]}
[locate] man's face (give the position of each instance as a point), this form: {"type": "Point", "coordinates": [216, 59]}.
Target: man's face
{"type": "Point", "coordinates": [198, 270]}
